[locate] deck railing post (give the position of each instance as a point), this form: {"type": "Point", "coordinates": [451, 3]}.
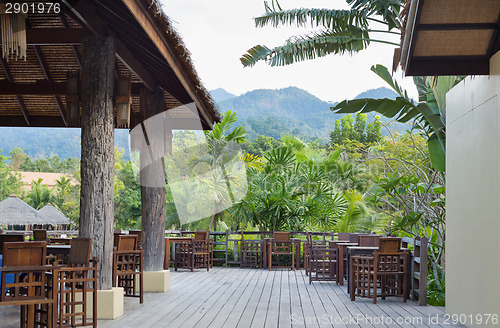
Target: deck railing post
{"type": "Point", "coordinates": [423, 271]}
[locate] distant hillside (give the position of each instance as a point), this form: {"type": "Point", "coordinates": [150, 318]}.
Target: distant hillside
{"type": "Point", "coordinates": [289, 111]}
{"type": "Point", "coordinates": [268, 112]}
{"type": "Point", "coordinates": [377, 94]}
{"type": "Point", "coordinates": [42, 142]}
{"type": "Point", "coordinates": [221, 95]}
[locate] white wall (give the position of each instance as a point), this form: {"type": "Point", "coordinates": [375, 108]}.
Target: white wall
{"type": "Point", "coordinates": [473, 197]}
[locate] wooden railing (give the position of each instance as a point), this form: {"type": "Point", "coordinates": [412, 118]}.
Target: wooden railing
{"type": "Point", "coordinates": [418, 285]}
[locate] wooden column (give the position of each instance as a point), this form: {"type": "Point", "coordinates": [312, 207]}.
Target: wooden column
{"type": "Point", "coordinates": [97, 162]}
{"type": "Point", "coordinates": [153, 190]}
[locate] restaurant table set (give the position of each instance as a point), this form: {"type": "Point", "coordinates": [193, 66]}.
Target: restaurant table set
{"type": "Point", "coordinates": [50, 283]}
{"type": "Point", "coordinates": [373, 266]}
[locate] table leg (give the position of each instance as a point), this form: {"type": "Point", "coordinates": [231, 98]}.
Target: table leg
{"type": "Point", "coordinates": [340, 273]}
{"type": "Point", "coordinates": [166, 261]}
{"type": "Point", "coordinates": [297, 255]}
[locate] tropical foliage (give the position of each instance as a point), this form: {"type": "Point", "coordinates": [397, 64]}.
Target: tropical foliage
{"type": "Point", "coordinates": [336, 31]}
{"type": "Point", "coordinates": [428, 115]}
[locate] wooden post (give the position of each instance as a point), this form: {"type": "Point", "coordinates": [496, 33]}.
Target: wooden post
{"type": "Point", "coordinates": [153, 198]}
{"type": "Point", "coordinates": [97, 162]}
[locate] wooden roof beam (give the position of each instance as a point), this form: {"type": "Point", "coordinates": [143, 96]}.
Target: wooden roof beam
{"type": "Point", "coordinates": [46, 73]}
{"type": "Point", "coordinates": [19, 99]}
{"type": "Point", "coordinates": [87, 15]}
{"type": "Point", "coordinates": [44, 88]}
{"type": "Point", "coordinates": [144, 18]}
{"type": "Point", "coordinates": [73, 47]}
{"type": "Point", "coordinates": [55, 36]}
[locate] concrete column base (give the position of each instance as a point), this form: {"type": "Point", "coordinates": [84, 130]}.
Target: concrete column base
{"type": "Point", "coordinates": [156, 281]}
{"type": "Point", "coordinates": [109, 303]}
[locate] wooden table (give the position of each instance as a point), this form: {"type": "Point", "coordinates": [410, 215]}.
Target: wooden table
{"type": "Point", "coordinates": [342, 251]}
{"type": "Point", "coordinates": [368, 251]}
{"type": "Point", "coordinates": [266, 249]}
{"type": "Point", "coordinates": [58, 240]}
{"type": "Point", "coordinates": [168, 241]}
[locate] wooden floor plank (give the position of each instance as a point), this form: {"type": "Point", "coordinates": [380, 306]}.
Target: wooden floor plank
{"type": "Point", "coordinates": [229, 309]}
{"type": "Point", "coordinates": [246, 318]}
{"type": "Point", "coordinates": [295, 302]}
{"type": "Point", "coordinates": [260, 315]}
{"type": "Point", "coordinates": [197, 304]}
{"type": "Point", "coordinates": [217, 303]}
{"type": "Point", "coordinates": [319, 309]}
{"type": "Point", "coordinates": [248, 298]}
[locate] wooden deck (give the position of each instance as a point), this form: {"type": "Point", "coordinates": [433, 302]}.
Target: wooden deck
{"type": "Point", "coordinates": [233, 297]}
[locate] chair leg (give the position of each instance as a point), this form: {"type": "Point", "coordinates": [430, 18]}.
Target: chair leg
{"type": "Point", "coordinates": [374, 287]}
{"type": "Point", "coordinates": [353, 282]}
{"type": "Point", "coordinates": [270, 263]}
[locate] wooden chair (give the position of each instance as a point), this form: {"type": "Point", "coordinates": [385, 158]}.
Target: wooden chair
{"type": "Point", "coordinates": [137, 233]}
{"type": "Point", "coordinates": [40, 235]}
{"type": "Point", "coordinates": [322, 263]}
{"type": "Point", "coordinates": [307, 249]}
{"type": "Point", "coordinates": [251, 252]}
{"type": "Point", "coordinates": [386, 270]}
{"type": "Point", "coordinates": [73, 284]}
{"type": "Point", "coordinates": [8, 238]}
{"type": "Point", "coordinates": [281, 245]}
{"type": "Point", "coordinates": [344, 236]}
{"type": "Point", "coordinates": [184, 255]}
{"type": "Point", "coordinates": [26, 261]}
{"type": "Point", "coordinates": [127, 264]}
{"type": "Point", "coordinates": [369, 240]}
{"type": "Point", "coordinates": [390, 244]}
{"type": "Point", "coordinates": [204, 235]}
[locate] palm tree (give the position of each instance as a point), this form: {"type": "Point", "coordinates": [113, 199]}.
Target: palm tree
{"type": "Point", "coordinates": [40, 195]}
{"type": "Point", "coordinates": [339, 31]}
{"type": "Point", "coordinates": [223, 183]}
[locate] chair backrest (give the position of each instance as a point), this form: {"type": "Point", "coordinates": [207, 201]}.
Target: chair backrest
{"type": "Point", "coordinates": [281, 236]}
{"type": "Point", "coordinates": [202, 235]}
{"type": "Point", "coordinates": [79, 253]}
{"type": "Point", "coordinates": [6, 238]}
{"type": "Point", "coordinates": [126, 242]}
{"type": "Point", "coordinates": [17, 254]}
{"type": "Point", "coordinates": [39, 235]}
{"type": "Point", "coordinates": [369, 240]}
{"type": "Point", "coordinates": [390, 244]}
{"type": "Point", "coordinates": [344, 236]}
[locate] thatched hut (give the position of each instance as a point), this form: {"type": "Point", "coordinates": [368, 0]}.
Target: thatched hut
{"type": "Point", "coordinates": [56, 216]}
{"type": "Point", "coordinates": [15, 212]}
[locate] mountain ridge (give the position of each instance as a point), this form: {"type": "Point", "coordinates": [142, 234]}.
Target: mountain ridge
{"type": "Point", "coordinates": [270, 112]}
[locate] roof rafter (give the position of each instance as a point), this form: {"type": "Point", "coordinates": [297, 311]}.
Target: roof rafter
{"type": "Point", "coordinates": [46, 73]}
{"type": "Point", "coordinates": [89, 18]}
{"type": "Point", "coordinates": [19, 99]}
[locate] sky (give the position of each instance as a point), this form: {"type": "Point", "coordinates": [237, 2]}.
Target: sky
{"type": "Point", "coordinates": [219, 32]}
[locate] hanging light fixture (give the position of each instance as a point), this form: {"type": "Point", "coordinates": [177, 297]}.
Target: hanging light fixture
{"type": "Point", "coordinates": [13, 32]}
{"type": "Point", "coordinates": [123, 102]}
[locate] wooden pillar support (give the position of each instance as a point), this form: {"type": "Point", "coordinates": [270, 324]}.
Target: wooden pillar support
{"type": "Point", "coordinates": [97, 162]}
{"type": "Point", "coordinates": [153, 191]}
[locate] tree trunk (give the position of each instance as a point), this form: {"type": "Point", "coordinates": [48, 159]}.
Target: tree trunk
{"type": "Point", "coordinates": [97, 162]}
{"type": "Point", "coordinates": [153, 195]}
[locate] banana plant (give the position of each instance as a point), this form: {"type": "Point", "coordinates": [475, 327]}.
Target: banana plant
{"type": "Point", "coordinates": [336, 31]}
{"type": "Point", "coordinates": [428, 114]}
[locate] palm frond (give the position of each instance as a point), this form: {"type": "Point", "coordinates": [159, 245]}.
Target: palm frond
{"type": "Point", "coordinates": [328, 18]}
{"type": "Point", "coordinates": [351, 40]}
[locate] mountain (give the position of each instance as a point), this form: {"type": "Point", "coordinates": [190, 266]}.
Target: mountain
{"type": "Point", "coordinates": [268, 112]}
{"type": "Point", "coordinates": [377, 94]}
{"type": "Point", "coordinates": [289, 111]}
{"type": "Point", "coordinates": [220, 95]}
{"type": "Point", "coordinates": [42, 142]}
